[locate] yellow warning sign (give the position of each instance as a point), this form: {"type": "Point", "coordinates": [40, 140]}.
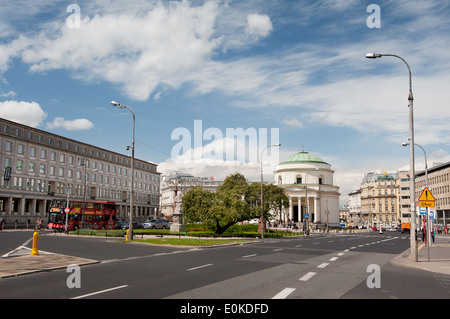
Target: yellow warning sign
{"type": "Point", "coordinates": [426, 196]}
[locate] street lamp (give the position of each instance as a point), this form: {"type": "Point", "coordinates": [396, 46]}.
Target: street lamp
{"type": "Point", "coordinates": [426, 185]}
{"type": "Point", "coordinates": [121, 106]}
{"type": "Point", "coordinates": [413, 240]}
{"type": "Point", "coordinates": [262, 222]}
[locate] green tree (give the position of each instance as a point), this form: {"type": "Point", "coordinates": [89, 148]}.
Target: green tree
{"type": "Point", "coordinates": [234, 201]}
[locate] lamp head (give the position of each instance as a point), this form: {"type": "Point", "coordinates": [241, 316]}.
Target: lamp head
{"type": "Point", "coordinates": [405, 144]}
{"type": "Point", "coordinates": [373, 55]}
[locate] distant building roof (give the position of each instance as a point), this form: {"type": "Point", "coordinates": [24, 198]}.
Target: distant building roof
{"type": "Point", "coordinates": [303, 157]}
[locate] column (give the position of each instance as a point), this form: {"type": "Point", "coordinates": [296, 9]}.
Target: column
{"type": "Point", "coordinates": [291, 208]}
{"type": "Point", "coordinates": [317, 217]}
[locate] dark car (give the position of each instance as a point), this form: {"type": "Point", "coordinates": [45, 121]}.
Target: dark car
{"type": "Point", "coordinates": [120, 224]}
{"type": "Point", "coordinates": [136, 225]}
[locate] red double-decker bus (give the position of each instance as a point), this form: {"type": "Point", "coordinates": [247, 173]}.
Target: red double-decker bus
{"type": "Point", "coordinates": [89, 214]}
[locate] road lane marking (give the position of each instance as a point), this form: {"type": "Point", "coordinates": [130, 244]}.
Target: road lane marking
{"type": "Point", "coordinates": [283, 293]}
{"type": "Point", "coordinates": [308, 276]}
{"type": "Point", "coordinates": [99, 292]}
{"type": "Point", "coordinates": [333, 258]}
{"type": "Point", "coordinates": [340, 254]}
{"type": "Point", "coordinates": [323, 265]}
{"type": "Point", "coordinates": [279, 249]}
{"type": "Point", "coordinates": [252, 255]}
{"type": "Point", "coordinates": [198, 267]}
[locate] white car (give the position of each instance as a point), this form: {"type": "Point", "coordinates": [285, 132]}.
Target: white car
{"type": "Point", "coordinates": [254, 221]}
{"type": "Point", "coordinates": [157, 223]}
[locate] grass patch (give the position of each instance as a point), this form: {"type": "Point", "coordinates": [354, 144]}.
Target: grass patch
{"type": "Point", "coordinates": [104, 233]}
{"type": "Point", "coordinates": [187, 241]}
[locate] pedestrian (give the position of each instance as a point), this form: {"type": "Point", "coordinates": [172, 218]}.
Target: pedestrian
{"type": "Point", "coordinates": [432, 235]}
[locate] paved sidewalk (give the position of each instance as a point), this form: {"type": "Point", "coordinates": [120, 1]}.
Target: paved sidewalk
{"type": "Point", "coordinates": [438, 252]}
{"type": "Point", "coordinates": [20, 262]}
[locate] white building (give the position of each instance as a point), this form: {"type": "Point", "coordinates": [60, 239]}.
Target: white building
{"type": "Point", "coordinates": [308, 182]}
{"type": "Point", "coordinates": [184, 182]}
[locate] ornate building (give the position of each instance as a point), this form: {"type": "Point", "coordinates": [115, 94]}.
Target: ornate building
{"type": "Point", "coordinates": [38, 167]}
{"type": "Point", "coordinates": [308, 182]}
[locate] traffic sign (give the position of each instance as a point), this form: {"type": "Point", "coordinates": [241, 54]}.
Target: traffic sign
{"type": "Point", "coordinates": [426, 199]}
{"type": "Point", "coordinates": [66, 210]}
{"type": "Point", "coordinates": [426, 204]}
{"type": "Point", "coordinates": [426, 195]}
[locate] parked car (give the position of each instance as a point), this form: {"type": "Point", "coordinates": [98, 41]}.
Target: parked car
{"type": "Point", "coordinates": [120, 224]}
{"type": "Point", "coordinates": [136, 225]}
{"type": "Point", "coordinates": [157, 223]}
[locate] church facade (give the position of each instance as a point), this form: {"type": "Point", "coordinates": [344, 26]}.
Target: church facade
{"type": "Point", "coordinates": [308, 183]}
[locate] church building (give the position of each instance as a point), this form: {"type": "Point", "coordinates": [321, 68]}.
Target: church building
{"type": "Point", "coordinates": [308, 183]}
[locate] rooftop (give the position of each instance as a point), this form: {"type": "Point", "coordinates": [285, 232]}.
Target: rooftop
{"type": "Point", "coordinates": [303, 157]}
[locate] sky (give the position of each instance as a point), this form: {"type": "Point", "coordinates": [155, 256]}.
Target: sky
{"type": "Point", "coordinates": [281, 71]}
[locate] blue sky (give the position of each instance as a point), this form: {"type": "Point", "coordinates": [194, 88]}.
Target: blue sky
{"type": "Point", "coordinates": [295, 66]}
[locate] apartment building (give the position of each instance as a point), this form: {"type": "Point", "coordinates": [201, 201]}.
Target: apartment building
{"type": "Point", "coordinates": [379, 200]}
{"type": "Point", "coordinates": [39, 167]}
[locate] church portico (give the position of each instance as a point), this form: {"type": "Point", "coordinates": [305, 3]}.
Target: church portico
{"type": "Point", "coordinates": [308, 183]}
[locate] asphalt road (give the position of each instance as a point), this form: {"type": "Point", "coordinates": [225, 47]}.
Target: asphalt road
{"type": "Point", "coordinates": [331, 266]}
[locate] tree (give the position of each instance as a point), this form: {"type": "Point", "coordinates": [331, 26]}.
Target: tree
{"type": "Point", "coordinates": [197, 204]}
{"type": "Point", "coordinates": [234, 201]}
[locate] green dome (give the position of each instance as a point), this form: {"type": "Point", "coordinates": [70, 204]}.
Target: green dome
{"type": "Point", "coordinates": [303, 157]}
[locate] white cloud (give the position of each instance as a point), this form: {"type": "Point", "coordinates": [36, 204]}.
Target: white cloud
{"type": "Point", "coordinates": [27, 113]}
{"type": "Point", "coordinates": [137, 51]}
{"type": "Point", "coordinates": [293, 123]}
{"type": "Point", "coordinates": [73, 125]}
{"type": "Point", "coordinates": [259, 25]}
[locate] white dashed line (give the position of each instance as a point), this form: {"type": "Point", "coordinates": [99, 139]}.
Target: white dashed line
{"type": "Point", "coordinates": [323, 265]}
{"type": "Point", "coordinates": [203, 266]}
{"type": "Point", "coordinates": [284, 293]}
{"type": "Point", "coordinates": [333, 258]}
{"type": "Point", "coordinates": [308, 276]}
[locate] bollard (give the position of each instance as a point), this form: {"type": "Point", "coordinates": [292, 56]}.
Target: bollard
{"type": "Point", "coordinates": [126, 236]}
{"type": "Point", "coordinates": [34, 251]}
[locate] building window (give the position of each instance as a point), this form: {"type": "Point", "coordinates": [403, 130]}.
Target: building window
{"type": "Point", "coordinates": [19, 149]}
{"type": "Point", "coordinates": [8, 146]}
{"type": "Point", "coordinates": [42, 169]}
{"type": "Point", "coordinates": [31, 167]}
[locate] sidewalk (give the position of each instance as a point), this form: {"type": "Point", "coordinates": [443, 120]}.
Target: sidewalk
{"type": "Point", "coordinates": [20, 262]}
{"type": "Point", "coordinates": [439, 253]}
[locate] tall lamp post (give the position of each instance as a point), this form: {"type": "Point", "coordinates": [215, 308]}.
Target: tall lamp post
{"type": "Point", "coordinates": [121, 106]}
{"type": "Point", "coordinates": [413, 239]}
{"type": "Point", "coordinates": [426, 185]}
{"type": "Point", "coordinates": [262, 223]}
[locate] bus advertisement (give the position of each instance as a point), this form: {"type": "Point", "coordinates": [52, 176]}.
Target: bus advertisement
{"type": "Point", "coordinates": [89, 214]}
